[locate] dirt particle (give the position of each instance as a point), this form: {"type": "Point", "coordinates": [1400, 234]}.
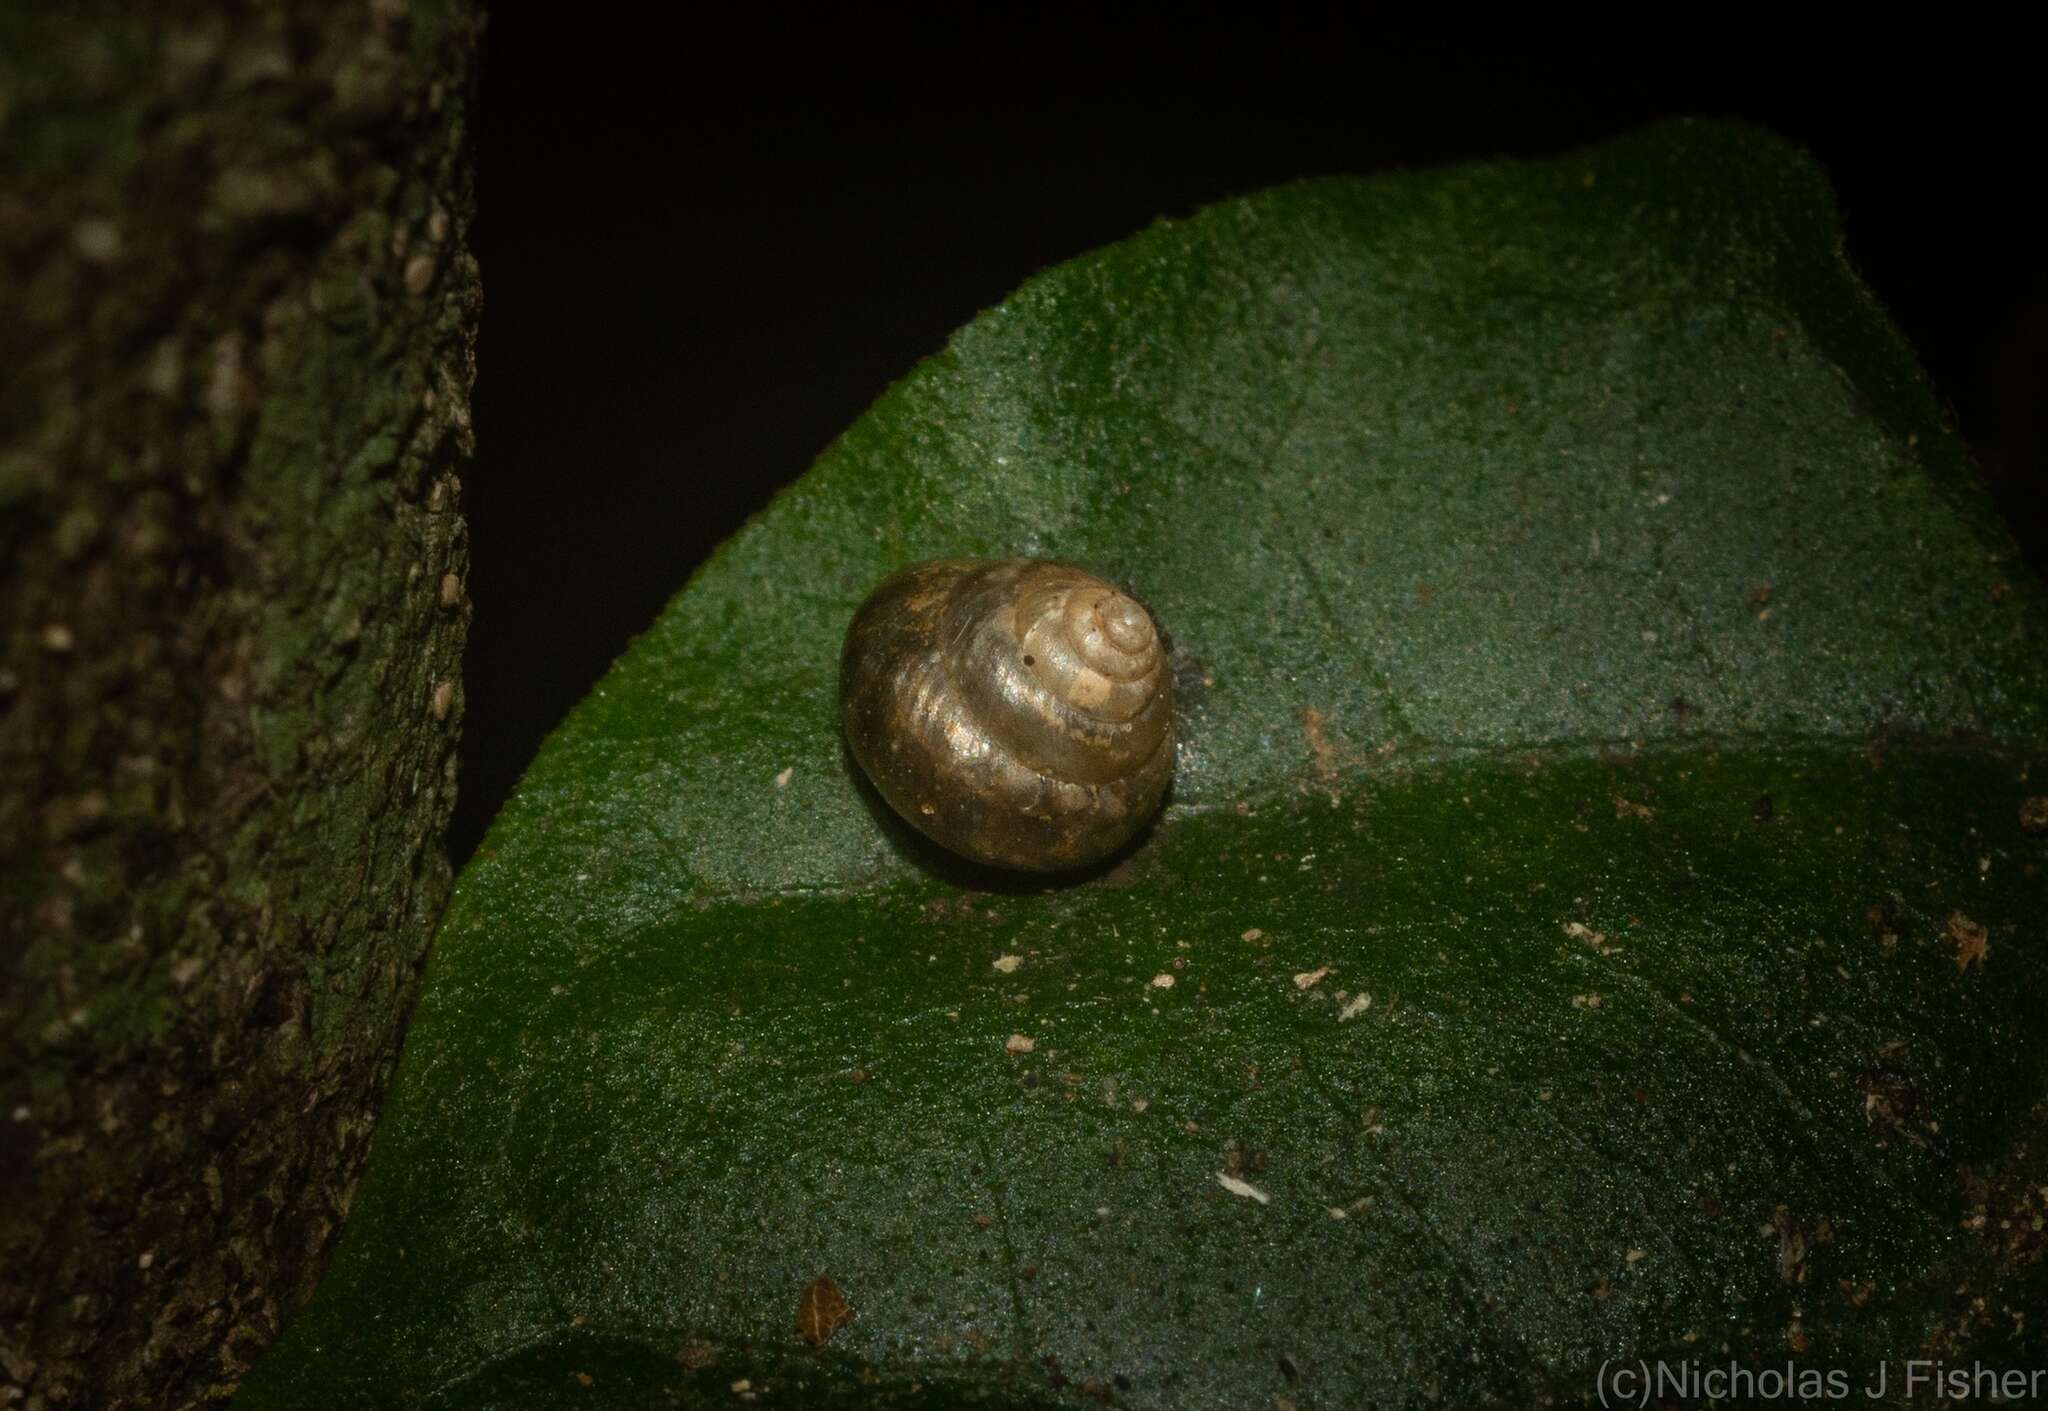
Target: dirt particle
{"type": "Point", "coordinates": [1793, 1245]}
{"type": "Point", "coordinates": [1883, 919]}
{"type": "Point", "coordinates": [821, 1311]}
{"type": "Point", "coordinates": [451, 590]}
{"type": "Point", "coordinates": [1254, 936]}
{"type": "Point", "coordinates": [1972, 941]}
{"type": "Point", "coordinates": [1596, 940]}
{"type": "Point", "coordinates": [1319, 747]}
{"type": "Point", "coordinates": [2034, 814]}
{"type": "Point", "coordinates": [443, 699]}
{"type": "Point", "coordinates": [1238, 1160]}
{"type": "Point", "coordinates": [1624, 809]}
{"type": "Point", "coordinates": [1019, 1043]}
{"type": "Point", "coordinates": [784, 775]}
{"type": "Point", "coordinates": [1309, 979]}
{"type": "Point", "coordinates": [583, 1379]}
{"type": "Point", "coordinates": [1162, 981]}
{"type": "Point", "coordinates": [1892, 1103]}
{"type": "Point", "coordinates": [984, 1221]}
{"type": "Point", "coordinates": [1359, 1004]}
{"type": "Point", "coordinates": [1007, 964]}
{"type": "Point", "coordinates": [58, 638]}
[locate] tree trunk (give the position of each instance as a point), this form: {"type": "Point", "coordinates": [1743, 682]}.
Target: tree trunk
{"type": "Point", "coordinates": [236, 315]}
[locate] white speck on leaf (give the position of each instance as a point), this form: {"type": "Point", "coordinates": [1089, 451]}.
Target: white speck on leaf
{"type": "Point", "coordinates": [1243, 1188]}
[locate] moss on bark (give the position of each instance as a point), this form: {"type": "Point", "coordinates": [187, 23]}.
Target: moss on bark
{"type": "Point", "coordinates": [236, 316]}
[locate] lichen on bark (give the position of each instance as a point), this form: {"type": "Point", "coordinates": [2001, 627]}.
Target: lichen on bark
{"type": "Point", "coordinates": [236, 318]}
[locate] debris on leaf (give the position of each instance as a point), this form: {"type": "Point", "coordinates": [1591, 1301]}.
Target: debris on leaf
{"type": "Point", "coordinates": [1019, 1043]}
{"type": "Point", "coordinates": [822, 1311]}
{"type": "Point", "coordinates": [1319, 746]}
{"type": "Point", "coordinates": [1254, 935]}
{"type": "Point", "coordinates": [1883, 919]}
{"type": "Point", "coordinates": [1162, 981]}
{"type": "Point", "coordinates": [1793, 1245]}
{"type": "Point", "coordinates": [1243, 1188]}
{"type": "Point", "coordinates": [1359, 1004]}
{"type": "Point", "coordinates": [1624, 809]}
{"type": "Point", "coordinates": [1893, 1105]}
{"type": "Point", "coordinates": [1005, 964]}
{"type": "Point", "coordinates": [2034, 814]}
{"type": "Point", "coordinates": [1972, 942]}
{"type": "Point", "coordinates": [1309, 979]}
{"type": "Point", "coordinates": [1580, 931]}
{"type": "Point", "coordinates": [1239, 1159]}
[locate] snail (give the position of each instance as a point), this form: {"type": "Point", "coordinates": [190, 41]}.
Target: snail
{"type": "Point", "coordinates": [1016, 711]}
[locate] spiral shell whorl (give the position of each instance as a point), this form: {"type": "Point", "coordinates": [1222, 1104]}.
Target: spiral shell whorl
{"type": "Point", "coordinates": [1018, 711]}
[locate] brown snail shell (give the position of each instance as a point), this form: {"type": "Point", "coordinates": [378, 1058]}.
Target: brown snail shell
{"type": "Point", "coordinates": [1017, 711]}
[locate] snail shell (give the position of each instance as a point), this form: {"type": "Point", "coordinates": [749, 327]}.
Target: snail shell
{"type": "Point", "coordinates": [1017, 711]}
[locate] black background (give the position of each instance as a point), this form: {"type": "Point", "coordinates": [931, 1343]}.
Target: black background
{"type": "Point", "coordinates": [706, 252]}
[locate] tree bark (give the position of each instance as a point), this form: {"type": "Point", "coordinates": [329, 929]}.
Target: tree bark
{"type": "Point", "coordinates": [236, 319]}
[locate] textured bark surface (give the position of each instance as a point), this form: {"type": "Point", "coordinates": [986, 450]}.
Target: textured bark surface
{"type": "Point", "coordinates": [236, 312]}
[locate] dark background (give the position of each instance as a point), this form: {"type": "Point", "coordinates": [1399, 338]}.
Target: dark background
{"type": "Point", "coordinates": [705, 254]}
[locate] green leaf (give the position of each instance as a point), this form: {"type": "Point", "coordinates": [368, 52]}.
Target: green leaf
{"type": "Point", "coordinates": [1608, 708]}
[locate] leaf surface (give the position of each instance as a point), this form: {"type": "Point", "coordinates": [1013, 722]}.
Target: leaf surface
{"type": "Point", "coordinates": [1593, 918]}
